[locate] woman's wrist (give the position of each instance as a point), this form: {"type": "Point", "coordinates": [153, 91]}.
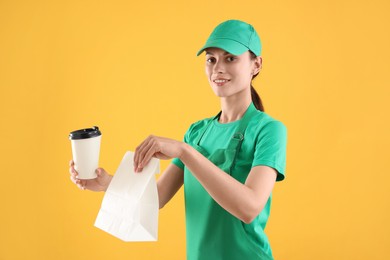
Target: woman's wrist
{"type": "Point", "coordinates": [185, 151]}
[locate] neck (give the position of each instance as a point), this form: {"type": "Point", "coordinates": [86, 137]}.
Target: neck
{"type": "Point", "coordinates": [233, 108]}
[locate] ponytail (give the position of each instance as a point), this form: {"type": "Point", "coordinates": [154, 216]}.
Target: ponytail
{"type": "Point", "coordinates": [255, 97]}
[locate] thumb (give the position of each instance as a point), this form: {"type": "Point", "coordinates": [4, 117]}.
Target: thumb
{"type": "Point", "coordinates": [100, 172]}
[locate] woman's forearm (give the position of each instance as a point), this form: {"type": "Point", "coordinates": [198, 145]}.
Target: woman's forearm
{"type": "Point", "coordinates": [169, 183]}
{"type": "Point", "coordinates": [235, 197]}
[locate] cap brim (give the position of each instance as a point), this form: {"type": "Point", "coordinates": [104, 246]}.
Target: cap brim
{"type": "Point", "coordinates": [227, 45]}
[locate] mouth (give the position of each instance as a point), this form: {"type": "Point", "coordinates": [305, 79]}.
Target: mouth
{"type": "Point", "coordinates": [221, 82]}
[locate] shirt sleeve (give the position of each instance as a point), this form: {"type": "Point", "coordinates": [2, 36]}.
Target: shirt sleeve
{"type": "Point", "coordinates": [177, 161]}
{"type": "Point", "coordinates": [270, 149]}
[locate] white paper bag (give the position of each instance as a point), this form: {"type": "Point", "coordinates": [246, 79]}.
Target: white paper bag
{"type": "Point", "coordinates": [130, 206]}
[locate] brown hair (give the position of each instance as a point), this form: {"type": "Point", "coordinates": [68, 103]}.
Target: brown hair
{"type": "Point", "coordinates": [255, 96]}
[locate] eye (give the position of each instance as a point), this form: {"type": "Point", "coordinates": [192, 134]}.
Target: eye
{"type": "Point", "coordinates": [210, 60]}
{"type": "Point", "coordinates": [230, 58]}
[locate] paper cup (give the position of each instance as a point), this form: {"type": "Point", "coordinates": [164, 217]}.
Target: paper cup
{"type": "Point", "coordinates": [86, 150]}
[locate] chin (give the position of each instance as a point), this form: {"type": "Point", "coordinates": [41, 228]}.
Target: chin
{"type": "Point", "coordinates": [219, 93]}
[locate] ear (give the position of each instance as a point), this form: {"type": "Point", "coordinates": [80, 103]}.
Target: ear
{"type": "Point", "coordinates": [258, 65]}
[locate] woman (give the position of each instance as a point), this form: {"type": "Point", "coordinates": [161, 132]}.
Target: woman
{"type": "Point", "coordinates": [228, 163]}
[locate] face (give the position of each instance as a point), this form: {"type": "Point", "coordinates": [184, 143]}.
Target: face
{"type": "Point", "coordinates": [230, 75]}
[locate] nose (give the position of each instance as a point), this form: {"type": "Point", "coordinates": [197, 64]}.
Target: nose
{"type": "Point", "coordinates": [218, 67]}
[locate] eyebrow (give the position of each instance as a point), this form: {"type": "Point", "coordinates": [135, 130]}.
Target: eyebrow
{"type": "Point", "coordinates": [210, 53]}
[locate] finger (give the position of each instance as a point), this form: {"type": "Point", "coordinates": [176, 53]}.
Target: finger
{"type": "Point", "coordinates": [142, 153]}
{"type": "Point", "coordinates": [80, 187]}
{"type": "Point", "coordinates": [83, 184]}
{"type": "Point", "coordinates": [138, 152]}
{"type": "Point", "coordinates": [73, 172]}
{"type": "Point", "coordinates": [74, 180]}
{"type": "Point", "coordinates": [100, 172]}
{"type": "Point", "coordinates": [71, 162]}
{"type": "Point", "coordinates": [77, 182]}
{"type": "Point", "coordinates": [150, 153]}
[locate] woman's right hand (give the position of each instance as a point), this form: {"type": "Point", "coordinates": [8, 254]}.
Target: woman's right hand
{"type": "Point", "coordinates": [98, 184]}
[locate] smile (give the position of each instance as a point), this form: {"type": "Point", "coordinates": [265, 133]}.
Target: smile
{"type": "Point", "coordinates": [221, 80]}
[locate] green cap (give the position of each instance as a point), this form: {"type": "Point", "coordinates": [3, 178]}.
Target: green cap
{"type": "Point", "coordinates": [235, 37]}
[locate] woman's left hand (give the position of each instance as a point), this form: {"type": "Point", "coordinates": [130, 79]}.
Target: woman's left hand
{"type": "Point", "coordinates": [158, 147]}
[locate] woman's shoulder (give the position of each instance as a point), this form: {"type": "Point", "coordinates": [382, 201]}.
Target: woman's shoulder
{"type": "Point", "coordinates": [200, 124]}
{"type": "Point", "coordinates": [262, 120]}
{"type": "Point", "coordinates": [195, 129]}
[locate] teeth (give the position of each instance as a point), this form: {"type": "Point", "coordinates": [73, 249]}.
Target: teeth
{"type": "Point", "coordinates": [220, 80]}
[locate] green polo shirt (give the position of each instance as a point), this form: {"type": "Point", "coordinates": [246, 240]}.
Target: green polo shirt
{"type": "Point", "coordinates": [264, 143]}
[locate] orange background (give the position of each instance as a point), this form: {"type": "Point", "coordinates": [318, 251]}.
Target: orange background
{"type": "Point", "coordinates": [130, 68]}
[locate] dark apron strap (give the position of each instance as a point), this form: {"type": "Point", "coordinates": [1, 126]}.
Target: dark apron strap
{"type": "Point", "coordinates": [238, 136]}
{"type": "Point", "coordinates": [205, 128]}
